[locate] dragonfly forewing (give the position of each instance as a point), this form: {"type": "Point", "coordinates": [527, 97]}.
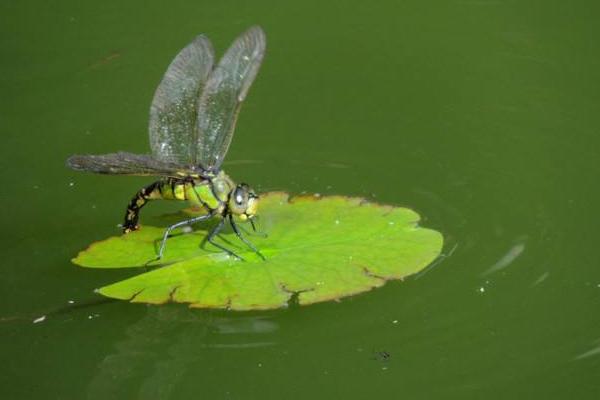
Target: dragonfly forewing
{"type": "Point", "coordinates": [223, 94]}
{"type": "Point", "coordinates": [173, 113]}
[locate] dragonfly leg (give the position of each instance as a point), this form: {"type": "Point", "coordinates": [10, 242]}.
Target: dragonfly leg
{"type": "Point", "coordinates": [242, 238]}
{"type": "Point", "coordinates": [178, 225]}
{"type": "Point", "coordinates": [214, 232]}
{"type": "Point", "coordinates": [255, 231]}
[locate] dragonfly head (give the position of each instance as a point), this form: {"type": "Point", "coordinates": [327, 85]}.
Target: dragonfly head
{"type": "Point", "coordinates": [243, 201]}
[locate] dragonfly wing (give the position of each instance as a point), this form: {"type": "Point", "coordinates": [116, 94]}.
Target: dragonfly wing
{"type": "Point", "coordinates": [173, 112]}
{"type": "Point", "coordinates": [126, 164]}
{"type": "Point", "coordinates": [223, 94]}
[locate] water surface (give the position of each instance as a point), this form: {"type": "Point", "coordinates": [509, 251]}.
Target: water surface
{"type": "Point", "coordinates": [481, 115]}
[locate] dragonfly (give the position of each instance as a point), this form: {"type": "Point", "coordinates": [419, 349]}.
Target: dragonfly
{"type": "Point", "coordinates": [192, 120]}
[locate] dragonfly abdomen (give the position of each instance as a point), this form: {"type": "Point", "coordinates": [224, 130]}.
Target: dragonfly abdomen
{"type": "Point", "coordinates": [138, 201]}
{"type": "Point", "coordinates": [198, 193]}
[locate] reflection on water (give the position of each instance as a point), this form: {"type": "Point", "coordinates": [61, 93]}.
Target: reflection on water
{"type": "Point", "coordinates": [511, 255]}
{"type": "Point", "coordinates": [159, 351]}
{"type": "Point", "coordinates": [258, 324]}
{"type": "Point", "coordinates": [590, 353]}
{"type": "Point", "coordinates": [541, 279]}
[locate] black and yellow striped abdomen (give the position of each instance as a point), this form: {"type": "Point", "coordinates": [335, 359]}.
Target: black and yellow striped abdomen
{"type": "Point", "coordinates": [212, 194]}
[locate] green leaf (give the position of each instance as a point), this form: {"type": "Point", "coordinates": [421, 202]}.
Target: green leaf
{"type": "Point", "coordinates": [317, 249]}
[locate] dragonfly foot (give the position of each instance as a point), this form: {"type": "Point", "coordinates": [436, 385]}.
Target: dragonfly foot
{"type": "Point", "coordinates": [129, 229]}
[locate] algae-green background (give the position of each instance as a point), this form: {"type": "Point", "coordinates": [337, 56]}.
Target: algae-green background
{"type": "Point", "coordinates": [484, 116]}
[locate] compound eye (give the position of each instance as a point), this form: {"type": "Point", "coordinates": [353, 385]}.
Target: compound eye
{"type": "Point", "coordinates": [239, 199]}
{"type": "Point", "coordinates": [239, 196]}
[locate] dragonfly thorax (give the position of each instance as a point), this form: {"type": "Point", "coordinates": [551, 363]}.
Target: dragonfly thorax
{"type": "Point", "coordinates": [240, 200]}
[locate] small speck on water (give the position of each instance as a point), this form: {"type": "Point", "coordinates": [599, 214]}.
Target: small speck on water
{"type": "Point", "coordinates": [337, 221]}
{"type": "Point", "coordinates": [391, 223]}
{"type": "Point", "coordinates": [71, 184]}
{"type": "Point", "coordinates": [36, 187]}
{"type": "Point", "coordinates": [481, 289]}
{"type": "Point", "coordinates": [395, 321]}
{"type": "Point", "coordinates": [259, 365]}
{"type": "Point", "coordinates": [382, 355]}
{"type": "Point", "coordinates": [92, 316]}
{"type": "Point", "coordinates": [71, 301]}
{"type": "Point", "coordinates": [40, 319]}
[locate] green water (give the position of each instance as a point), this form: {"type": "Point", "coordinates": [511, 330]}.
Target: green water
{"type": "Point", "coordinates": [484, 116]}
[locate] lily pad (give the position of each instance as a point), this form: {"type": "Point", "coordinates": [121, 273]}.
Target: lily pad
{"type": "Point", "coordinates": [317, 249]}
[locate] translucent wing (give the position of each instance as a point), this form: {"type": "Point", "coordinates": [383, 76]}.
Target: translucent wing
{"type": "Point", "coordinates": [223, 94]}
{"type": "Point", "coordinates": [127, 164]}
{"type": "Point", "coordinates": [173, 113]}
